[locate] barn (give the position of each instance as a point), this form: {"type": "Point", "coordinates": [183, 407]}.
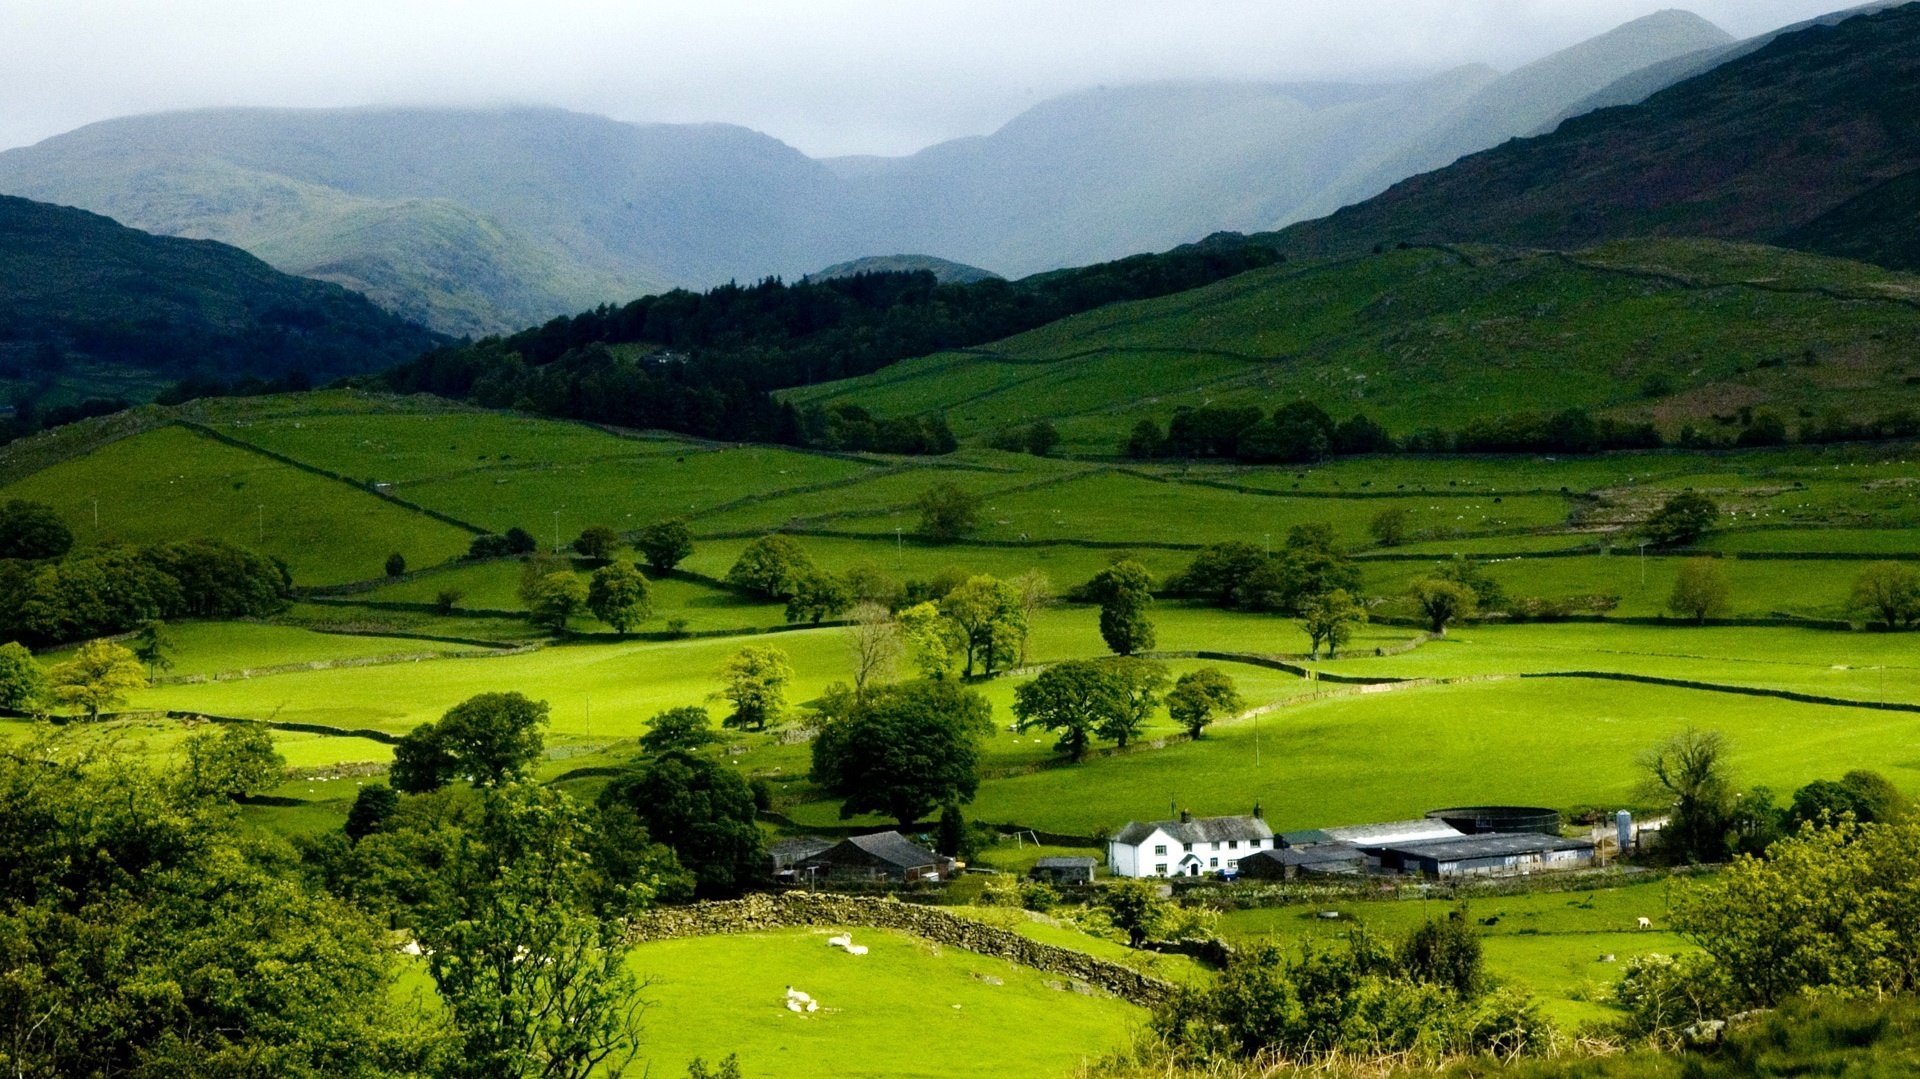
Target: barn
{"type": "Point", "coordinates": [1064, 870]}
{"type": "Point", "coordinates": [1287, 863]}
{"type": "Point", "coordinates": [882, 856]}
{"type": "Point", "coordinates": [1492, 854]}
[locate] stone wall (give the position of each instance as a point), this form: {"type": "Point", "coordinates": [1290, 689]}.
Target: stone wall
{"type": "Point", "coordinates": [792, 910]}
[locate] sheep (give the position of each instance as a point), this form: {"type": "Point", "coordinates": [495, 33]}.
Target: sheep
{"type": "Point", "coordinates": [844, 940]}
{"type": "Point", "coordinates": [793, 1005]}
{"type": "Point", "coordinates": [856, 949]}
{"type": "Point", "coordinates": [813, 1006]}
{"type": "Point", "coordinates": [797, 996]}
{"type": "Point", "coordinates": [1646, 923]}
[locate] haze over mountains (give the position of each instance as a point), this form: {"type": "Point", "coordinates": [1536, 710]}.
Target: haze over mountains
{"type": "Point", "coordinates": [476, 222]}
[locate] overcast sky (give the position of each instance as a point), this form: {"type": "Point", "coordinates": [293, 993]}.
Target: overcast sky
{"type": "Point", "coordinates": [828, 76]}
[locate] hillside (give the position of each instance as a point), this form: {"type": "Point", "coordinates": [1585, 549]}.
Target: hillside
{"type": "Point", "coordinates": [485, 221]}
{"type": "Point", "coordinates": [944, 271]}
{"type": "Point", "coordinates": [1673, 332]}
{"type": "Point", "coordinates": [1791, 144]}
{"type": "Point", "coordinates": [81, 295]}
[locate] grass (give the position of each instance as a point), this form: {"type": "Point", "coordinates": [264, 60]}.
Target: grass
{"type": "Point", "coordinates": [172, 484]}
{"type": "Point", "coordinates": [210, 648]}
{"type": "Point", "coordinates": [909, 1008]}
{"type": "Point", "coordinates": [1551, 943]}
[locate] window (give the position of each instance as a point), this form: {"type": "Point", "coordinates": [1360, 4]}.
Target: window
{"type": "Point", "coordinates": [1160, 869]}
{"type": "Point", "coordinates": [1233, 844]}
{"type": "Point", "coordinates": [1213, 863]}
{"type": "Point", "coordinates": [1233, 863]}
{"type": "Point", "coordinates": [1160, 849]}
{"type": "Point", "coordinates": [1188, 847]}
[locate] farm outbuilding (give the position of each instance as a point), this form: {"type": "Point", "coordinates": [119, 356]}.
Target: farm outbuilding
{"type": "Point", "coordinates": [786, 854]}
{"type": "Point", "coordinates": [1287, 863]}
{"type": "Point", "coordinates": [1492, 854]}
{"type": "Point", "coordinates": [881, 856]}
{"type": "Point", "coordinates": [1064, 870]}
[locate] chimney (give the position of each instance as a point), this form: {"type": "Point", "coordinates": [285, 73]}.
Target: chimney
{"type": "Point", "coordinates": [1258, 813]}
{"type": "Point", "coordinates": [1186, 816]}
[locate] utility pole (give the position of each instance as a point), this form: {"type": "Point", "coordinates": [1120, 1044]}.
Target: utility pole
{"type": "Point", "coordinates": [259, 524]}
{"type": "Point", "coordinates": [899, 547]}
{"type": "Point", "coordinates": [1643, 563]}
{"type": "Point", "coordinates": [96, 511]}
{"type": "Point", "coordinates": [556, 531]}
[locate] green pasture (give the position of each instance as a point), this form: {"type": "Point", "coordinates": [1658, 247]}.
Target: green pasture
{"type": "Point", "coordinates": [1551, 943]}
{"type": "Point", "coordinates": [204, 649]}
{"type": "Point", "coordinates": [495, 585]}
{"type": "Point", "coordinates": [906, 559]}
{"type": "Point", "coordinates": [158, 740]}
{"type": "Point", "coordinates": [172, 484]}
{"type": "Point", "coordinates": [1757, 588]}
{"type": "Point", "coordinates": [1347, 757]}
{"type": "Point", "coordinates": [908, 1008]}
{"type": "Point", "coordinates": [889, 493]}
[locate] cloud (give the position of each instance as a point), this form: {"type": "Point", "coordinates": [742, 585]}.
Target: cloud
{"type": "Point", "coordinates": [829, 76]}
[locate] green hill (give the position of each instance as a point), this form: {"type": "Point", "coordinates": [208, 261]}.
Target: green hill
{"type": "Point", "coordinates": [87, 300]}
{"type": "Point", "coordinates": [944, 271]}
{"type": "Point", "coordinates": [1674, 332]}
{"type": "Point", "coordinates": [1808, 141]}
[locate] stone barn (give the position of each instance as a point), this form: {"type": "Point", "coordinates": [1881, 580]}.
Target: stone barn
{"type": "Point", "coordinates": [882, 856]}
{"type": "Point", "coordinates": [1064, 870]}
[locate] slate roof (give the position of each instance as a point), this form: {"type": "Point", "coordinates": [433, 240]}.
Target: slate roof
{"type": "Point", "coordinates": [1197, 830]}
{"type": "Point", "coordinates": [1304, 837]}
{"type": "Point", "coordinates": [1065, 862]}
{"type": "Point", "coordinates": [1488, 845]}
{"type": "Point", "coordinates": [893, 849]}
{"type": "Point", "coordinates": [798, 848]}
{"type": "Point", "coordinates": [1320, 854]}
{"type": "Point", "coordinates": [1394, 833]}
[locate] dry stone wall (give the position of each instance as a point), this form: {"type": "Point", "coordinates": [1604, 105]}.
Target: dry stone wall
{"type": "Point", "coordinates": [794, 910]}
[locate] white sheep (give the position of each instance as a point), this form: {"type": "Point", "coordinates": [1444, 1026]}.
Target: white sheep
{"type": "Point", "coordinates": [813, 1006]}
{"type": "Point", "coordinates": [797, 996]}
{"type": "Point", "coordinates": [844, 940]}
{"type": "Point", "coordinates": [856, 949]}
{"type": "Point", "coordinates": [1646, 923]}
{"type": "Point", "coordinates": [793, 1005]}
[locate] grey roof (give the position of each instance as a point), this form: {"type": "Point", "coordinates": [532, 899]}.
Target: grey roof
{"type": "Point", "coordinates": [1489, 845]}
{"type": "Point", "coordinates": [1304, 837]}
{"type": "Point", "coordinates": [1065, 862]}
{"type": "Point", "coordinates": [794, 848]}
{"type": "Point", "coordinates": [1394, 833]}
{"type": "Point", "coordinates": [1318, 854]}
{"type": "Point", "coordinates": [1197, 830]}
{"type": "Point", "coordinates": [895, 849]}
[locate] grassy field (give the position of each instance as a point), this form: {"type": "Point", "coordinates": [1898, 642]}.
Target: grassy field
{"type": "Point", "coordinates": [1554, 944]}
{"type": "Point", "coordinates": [936, 1011]}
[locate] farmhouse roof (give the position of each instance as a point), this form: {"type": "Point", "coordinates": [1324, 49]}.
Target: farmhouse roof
{"type": "Point", "coordinates": [1489, 845]}
{"type": "Point", "coordinates": [1065, 862]}
{"type": "Point", "coordinates": [892, 848]}
{"type": "Point", "coordinates": [1393, 833]}
{"type": "Point", "coordinates": [1319, 854]}
{"type": "Point", "coordinates": [1197, 830]}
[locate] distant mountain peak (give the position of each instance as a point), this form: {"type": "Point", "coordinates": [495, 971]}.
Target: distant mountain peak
{"type": "Point", "coordinates": [946, 271]}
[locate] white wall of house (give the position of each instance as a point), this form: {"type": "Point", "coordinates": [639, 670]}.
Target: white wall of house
{"type": "Point", "coordinates": [1161, 855]}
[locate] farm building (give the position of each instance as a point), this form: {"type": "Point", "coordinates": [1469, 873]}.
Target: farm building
{"type": "Point", "coordinates": [881, 856]}
{"type": "Point", "coordinates": [1369, 836]}
{"type": "Point", "coordinates": [1487, 855]}
{"type": "Point", "coordinates": [1287, 863]}
{"type": "Point", "coordinates": [790, 852]}
{"type": "Point", "coordinates": [1064, 870]}
{"type": "Point", "coordinates": [1187, 847]}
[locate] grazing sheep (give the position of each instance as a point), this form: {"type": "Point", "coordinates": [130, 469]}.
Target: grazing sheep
{"type": "Point", "coordinates": [796, 995]}
{"type": "Point", "coordinates": [844, 940]}
{"type": "Point", "coordinates": [856, 949]}
{"type": "Point", "coordinates": [1646, 923]}
{"type": "Point", "coordinates": [812, 1006]}
{"type": "Point", "coordinates": [412, 947]}
{"type": "Point", "coordinates": [793, 1005]}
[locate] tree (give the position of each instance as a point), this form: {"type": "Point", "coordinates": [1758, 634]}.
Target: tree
{"type": "Point", "coordinates": [755, 680]}
{"type": "Point", "coordinates": [1137, 909]}
{"type": "Point", "coordinates": [701, 809]}
{"type": "Point", "coordinates": [1865, 796]}
{"type": "Point", "coordinates": [372, 808]}
{"type": "Point", "coordinates": [1072, 699]}
{"type": "Point", "coordinates": [1680, 520]}
{"type": "Point", "coordinates": [1330, 619]}
{"type": "Point", "coordinates": [100, 675]}
{"type": "Point", "coordinates": [817, 596]}
{"type": "Point", "coordinates": [1487, 593]}
{"type": "Point", "coordinates": [664, 544]}
{"type": "Point", "coordinates": [1389, 527]}
{"type": "Point", "coordinates": [770, 567]}
{"type": "Point", "coordinates": [1145, 442]}
{"type": "Point", "coordinates": [1198, 697]}
{"type": "Point", "coordinates": [234, 761]}
{"type": "Point", "coordinates": [155, 647]}
{"type": "Point", "coordinates": [557, 597]}
{"type": "Point", "coordinates": [987, 612]}
{"type": "Point", "coordinates": [396, 564]}
{"type": "Point", "coordinates": [23, 685]}
{"type": "Point", "coordinates": [1889, 590]}
{"type": "Point", "coordinates": [874, 642]}
{"type": "Point", "coordinates": [446, 599]}
{"type": "Point", "coordinates": [596, 542]}
{"type": "Point", "coordinates": [947, 512]}
{"type": "Point", "coordinates": [903, 750]}
{"type": "Point", "coordinates": [520, 541]}
{"type": "Point", "coordinates": [491, 739]}
{"type": "Point", "coordinates": [619, 595]}
{"type": "Point", "coordinates": [1137, 684]}
{"type": "Point", "coordinates": [1310, 564]}
{"type": "Point", "coordinates": [1689, 770]}
{"type": "Point", "coordinates": [1036, 593]}
{"type": "Point", "coordinates": [533, 980]}
{"type": "Point", "coordinates": [1442, 601]}
{"type": "Point", "coordinates": [1445, 951]}
{"type": "Point", "coordinates": [1221, 572]}
{"type": "Point", "coordinates": [936, 641]}
{"type": "Point", "coordinates": [32, 531]}
{"type": "Point", "coordinates": [1124, 591]}
{"type": "Point", "coordinates": [679, 730]}
{"type": "Point", "coordinates": [1041, 437]}
{"type": "Point", "coordinates": [1700, 590]}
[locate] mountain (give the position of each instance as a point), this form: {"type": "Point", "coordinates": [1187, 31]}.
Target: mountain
{"type": "Point", "coordinates": [477, 222]}
{"type": "Point", "coordinates": [78, 290]}
{"type": "Point", "coordinates": [1812, 140]}
{"type": "Point", "coordinates": [943, 271]}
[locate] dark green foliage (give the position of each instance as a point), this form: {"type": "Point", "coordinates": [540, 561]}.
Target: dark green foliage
{"type": "Point", "coordinates": [1890, 591]}
{"type": "Point", "coordinates": [23, 683]}
{"type": "Point", "coordinates": [722, 351]}
{"type": "Point", "coordinates": [817, 596]}
{"type": "Point", "coordinates": [489, 739]}
{"type": "Point", "coordinates": [1690, 771]}
{"type": "Point", "coordinates": [1446, 952]}
{"type": "Point", "coordinates": [1086, 699]}
{"type": "Point", "coordinates": [1236, 574]}
{"type": "Point", "coordinates": [664, 544]}
{"type": "Point", "coordinates": [619, 595]}
{"type": "Point", "coordinates": [596, 543]}
{"type": "Point", "coordinates": [947, 512]}
{"type": "Point", "coordinates": [1681, 519]}
{"type": "Point", "coordinates": [32, 531]}
{"type": "Point", "coordinates": [953, 839]}
{"type": "Point", "coordinates": [1145, 442]}
{"type": "Point", "coordinates": [1199, 697]}
{"type": "Point", "coordinates": [520, 541]}
{"type": "Point", "coordinates": [679, 730]}
{"type": "Point", "coordinates": [902, 750]}
{"type": "Point", "coordinates": [1124, 592]}
{"type": "Point", "coordinates": [1329, 619]}
{"type": "Point", "coordinates": [489, 545]}
{"type": "Point", "coordinates": [155, 647]}
{"type": "Point", "coordinates": [852, 428]}
{"type": "Point", "coordinates": [396, 564]}
{"type": "Point", "coordinates": [422, 762]}
{"type": "Point", "coordinates": [372, 808]}
{"type": "Point", "coordinates": [771, 567]}
{"type": "Point", "coordinates": [728, 1068]}
{"type": "Point", "coordinates": [555, 598]}
{"type": "Point", "coordinates": [233, 761]}
{"type": "Point", "coordinates": [703, 811]}
{"type": "Point", "coordinates": [1864, 795]}
{"type": "Point", "coordinates": [1136, 908]}
{"type": "Point", "coordinates": [107, 590]}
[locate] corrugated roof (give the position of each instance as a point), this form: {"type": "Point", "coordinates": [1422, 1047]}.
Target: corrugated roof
{"type": "Point", "coordinates": [1488, 845]}
{"type": "Point", "coordinates": [896, 849]}
{"type": "Point", "coordinates": [1394, 832]}
{"type": "Point", "coordinates": [1197, 830]}
{"type": "Point", "coordinates": [1065, 862]}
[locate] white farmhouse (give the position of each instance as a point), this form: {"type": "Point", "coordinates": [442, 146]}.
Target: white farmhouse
{"type": "Point", "coordinates": [1187, 847]}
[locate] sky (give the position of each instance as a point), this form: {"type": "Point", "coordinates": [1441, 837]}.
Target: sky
{"type": "Point", "coordinates": [827, 76]}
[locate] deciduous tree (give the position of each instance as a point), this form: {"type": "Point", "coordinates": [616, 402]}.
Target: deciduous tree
{"type": "Point", "coordinates": [1124, 591]}
{"type": "Point", "coordinates": [1680, 520]}
{"type": "Point", "coordinates": [1890, 591]}
{"type": "Point", "coordinates": [679, 730]}
{"type": "Point", "coordinates": [1199, 697]}
{"type": "Point", "coordinates": [556, 599]}
{"type": "Point", "coordinates": [755, 680]}
{"type": "Point", "coordinates": [770, 567]}
{"type": "Point", "coordinates": [703, 810]}
{"type": "Point", "coordinates": [903, 750]}
{"type": "Point", "coordinates": [233, 761]}
{"type": "Point", "coordinates": [987, 612]}
{"type": "Point", "coordinates": [947, 512]}
{"type": "Point", "coordinates": [664, 544]}
{"type": "Point", "coordinates": [873, 640]}
{"type": "Point", "coordinates": [1330, 619]}
{"type": "Point", "coordinates": [23, 684]}
{"type": "Point", "coordinates": [1700, 590]}
{"type": "Point", "coordinates": [618, 594]}
{"type": "Point", "coordinates": [1442, 602]}
{"type": "Point", "coordinates": [597, 543]}
{"type": "Point", "coordinates": [100, 675]}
